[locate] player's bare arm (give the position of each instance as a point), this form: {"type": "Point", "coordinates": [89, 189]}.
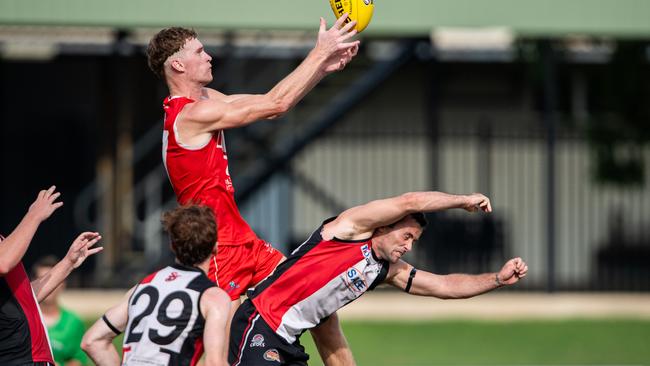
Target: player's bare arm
{"type": "Point", "coordinates": [80, 249]}
{"type": "Point", "coordinates": [454, 286]}
{"type": "Point", "coordinates": [98, 340]}
{"type": "Point", "coordinates": [332, 346]}
{"type": "Point", "coordinates": [215, 307]}
{"type": "Point", "coordinates": [359, 222]}
{"type": "Point", "coordinates": [332, 52]}
{"type": "Point", "coordinates": [13, 248]}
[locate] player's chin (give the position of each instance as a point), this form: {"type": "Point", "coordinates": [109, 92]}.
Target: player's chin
{"type": "Point", "coordinates": [208, 78]}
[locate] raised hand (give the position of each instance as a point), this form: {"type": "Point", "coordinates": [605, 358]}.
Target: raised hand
{"type": "Point", "coordinates": [477, 201]}
{"type": "Point", "coordinates": [514, 270]}
{"type": "Point", "coordinates": [81, 248]}
{"type": "Point", "coordinates": [44, 204]}
{"type": "Point", "coordinates": [334, 45]}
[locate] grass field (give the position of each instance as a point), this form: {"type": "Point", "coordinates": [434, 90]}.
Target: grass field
{"type": "Point", "coordinates": [552, 342]}
{"type": "Point", "coordinates": [576, 342]}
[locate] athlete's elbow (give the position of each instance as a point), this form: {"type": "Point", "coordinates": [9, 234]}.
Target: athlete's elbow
{"type": "Point", "coordinates": [281, 108]}
{"type": "Point", "coordinates": [5, 268]}
{"type": "Point", "coordinates": [87, 343]}
{"type": "Point", "coordinates": [278, 106]}
{"type": "Point", "coordinates": [409, 202]}
{"type": "Point", "coordinates": [91, 342]}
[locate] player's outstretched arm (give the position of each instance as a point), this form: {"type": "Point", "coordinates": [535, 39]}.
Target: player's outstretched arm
{"type": "Point", "coordinates": [332, 52]}
{"type": "Point", "coordinates": [455, 286]}
{"type": "Point", "coordinates": [81, 248]}
{"type": "Point", "coordinates": [215, 307]}
{"type": "Point", "coordinates": [97, 342]}
{"type": "Point", "coordinates": [360, 221]}
{"type": "Point", "coordinates": [13, 248]}
{"type": "Point", "coordinates": [332, 346]}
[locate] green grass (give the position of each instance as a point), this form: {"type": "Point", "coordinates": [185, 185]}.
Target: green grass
{"type": "Point", "coordinates": [552, 342]}
{"type": "Point", "coordinates": [574, 342]}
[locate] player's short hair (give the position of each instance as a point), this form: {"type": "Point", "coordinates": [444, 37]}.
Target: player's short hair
{"type": "Point", "coordinates": [417, 216]}
{"type": "Point", "coordinates": [164, 44]}
{"type": "Point", "coordinates": [420, 219]}
{"type": "Point", "coordinates": [193, 233]}
{"type": "Point", "coordinates": [49, 261]}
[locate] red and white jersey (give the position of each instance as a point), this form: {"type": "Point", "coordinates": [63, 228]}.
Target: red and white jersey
{"type": "Point", "coordinates": [165, 325]}
{"type": "Point", "coordinates": [23, 336]}
{"type": "Point", "coordinates": [318, 278]}
{"type": "Point", "coordinates": [199, 174]}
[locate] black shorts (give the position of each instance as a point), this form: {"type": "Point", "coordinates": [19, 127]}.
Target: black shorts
{"type": "Point", "coordinates": [253, 342]}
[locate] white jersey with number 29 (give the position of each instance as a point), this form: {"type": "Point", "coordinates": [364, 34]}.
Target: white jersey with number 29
{"type": "Point", "coordinates": [165, 325]}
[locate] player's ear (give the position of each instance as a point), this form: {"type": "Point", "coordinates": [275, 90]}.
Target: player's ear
{"type": "Point", "coordinates": [177, 65]}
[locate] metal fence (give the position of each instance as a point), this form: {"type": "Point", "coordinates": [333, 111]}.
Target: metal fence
{"type": "Point", "coordinates": [386, 147]}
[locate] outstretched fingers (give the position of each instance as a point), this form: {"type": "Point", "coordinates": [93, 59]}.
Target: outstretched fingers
{"type": "Point", "coordinates": [344, 46]}
{"type": "Point", "coordinates": [354, 50]}
{"type": "Point", "coordinates": [340, 21]}
{"type": "Point", "coordinates": [323, 25]}
{"type": "Point", "coordinates": [348, 27]}
{"type": "Point", "coordinates": [92, 239]}
{"type": "Point", "coordinates": [94, 251]}
{"type": "Point", "coordinates": [347, 36]}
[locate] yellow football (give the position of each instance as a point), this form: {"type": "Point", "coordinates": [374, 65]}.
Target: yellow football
{"type": "Point", "coordinates": [359, 10]}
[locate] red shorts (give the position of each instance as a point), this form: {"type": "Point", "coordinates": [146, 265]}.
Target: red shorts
{"type": "Point", "coordinates": [239, 267]}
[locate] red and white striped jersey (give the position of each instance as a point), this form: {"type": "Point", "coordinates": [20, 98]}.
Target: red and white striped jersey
{"type": "Point", "coordinates": [165, 325]}
{"type": "Point", "coordinates": [317, 279]}
{"type": "Point", "coordinates": [199, 175]}
{"type": "Point", "coordinates": [23, 336]}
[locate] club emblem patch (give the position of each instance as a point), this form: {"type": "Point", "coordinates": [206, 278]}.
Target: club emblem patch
{"type": "Point", "coordinates": [365, 251]}
{"type": "Point", "coordinates": [232, 286]}
{"type": "Point", "coordinates": [355, 280]}
{"type": "Point", "coordinates": [272, 355]}
{"type": "Point", "coordinates": [172, 276]}
{"type": "Point", "coordinates": [257, 341]}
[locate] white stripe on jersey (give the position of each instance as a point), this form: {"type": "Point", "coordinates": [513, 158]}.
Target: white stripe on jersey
{"type": "Point", "coordinates": [341, 290]}
{"type": "Point", "coordinates": [165, 143]}
{"type": "Point", "coordinates": [183, 145]}
{"type": "Point", "coordinates": [245, 341]}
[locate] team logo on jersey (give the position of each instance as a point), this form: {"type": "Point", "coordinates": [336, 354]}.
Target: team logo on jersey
{"type": "Point", "coordinates": [172, 276]}
{"type": "Point", "coordinates": [232, 286]}
{"type": "Point", "coordinates": [228, 183]}
{"type": "Point", "coordinates": [365, 251]}
{"type": "Point", "coordinates": [355, 281]}
{"type": "Point", "coordinates": [272, 355]}
{"type": "Point", "coordinates": [257, 341]}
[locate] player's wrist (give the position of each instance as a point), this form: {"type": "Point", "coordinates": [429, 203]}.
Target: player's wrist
{"type": "Point", "coordinates": [318, 57]}
{"type": "Point", "coordinates": [465, 201]}
{"type": "Point", "coordinates": [34, 217]}
{"type": "Point", "coordinates": [497, 281]}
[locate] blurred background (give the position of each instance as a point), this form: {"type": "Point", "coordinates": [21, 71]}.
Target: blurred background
{"type": "Point", "coordinates": [544, 106]}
